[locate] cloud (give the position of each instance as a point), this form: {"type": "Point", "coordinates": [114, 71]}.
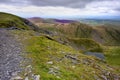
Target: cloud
{"type": "Point", "coordinates": [61, 8]}
{"type": "Point", "coordinates": [105, 6]}
{"type": "Point", "coordinates": [64, 3]}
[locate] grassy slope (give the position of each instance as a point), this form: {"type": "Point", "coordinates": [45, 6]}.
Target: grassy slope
{"type": "Point", "coordinates": [113, 56]}
{"type": "Point", "coordinates": [68, 64]}
{"type": "Point", "coordinates": [105, 34]}
{"type": "Point", "coordinates": [42, 50]}
{"type": "Point", "coordinates": [9, 20]}
{"type": "Point", "coordinates": [110, 34]}
{"type": "Point", "coordinates": [76, 36]}
{"type": "Point", "coordinates": [86, 44]}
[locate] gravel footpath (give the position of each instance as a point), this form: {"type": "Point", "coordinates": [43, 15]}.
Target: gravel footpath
{"type": "Point", "coordinates": [9, 55]}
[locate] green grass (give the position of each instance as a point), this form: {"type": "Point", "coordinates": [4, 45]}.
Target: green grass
{"type": "Point", "coordinates": [9, 20]}
{"type": "Point", "coordinates": [86, 44]}
{"type": "Point", "coordinates": [113, 56]}
{"type": "Point", "coordinates": [104, 34]}
{"type": "Point", "coordinates": [42, 50]}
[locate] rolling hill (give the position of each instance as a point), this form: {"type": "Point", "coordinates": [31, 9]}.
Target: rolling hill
{"type": "Point", "coordinates": [12, 21]}
{"type": "Point", "coordinates": [58, 53]}
{"type": "Point", "coordinates": [106, 34]}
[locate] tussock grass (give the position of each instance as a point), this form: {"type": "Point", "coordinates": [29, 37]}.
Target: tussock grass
{"type": "Point", "coordinates": [113, 56]}
{"type": "Point", "coordinates": [12, 21]}
{"type": "Point", "coordinates": [86, 44]}
{"type": "Point", "coordinates": [41, 50]}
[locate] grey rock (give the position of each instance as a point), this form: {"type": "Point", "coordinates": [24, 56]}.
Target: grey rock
{"type": "Point", "coordinates": [16, 78]}
{"type": "Point", "coordinates": [37, 77]}
{"type": "Point", "coordinates": [50, 62]}
{"type": "Point", "coordinates": [26, 78]}
{"type": "Point", "coordinates": [104, 77]}
{"type": "Point", "coordinates": [10, 51]}
{"type": "Point", "coordinates": [54, 70]}
{"type": "Point", "coordinates": [116, 77]}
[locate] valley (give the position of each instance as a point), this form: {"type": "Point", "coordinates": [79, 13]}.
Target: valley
{"type": "Point", "coordinates": [51, 49]}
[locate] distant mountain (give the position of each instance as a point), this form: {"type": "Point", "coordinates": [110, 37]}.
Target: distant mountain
{"type": "Point", "coordinates": [67, 50]}
{"type": "Point", "coordinates": [99, 21]}
{"type": "Point", "coordinates": [63, 21]}
{"type": "Point", "coordinates": [35, 19]}
{"type": "Point", "coordinates": [41, 20]}
{"type": "Point", "coordinates": [105, 32]}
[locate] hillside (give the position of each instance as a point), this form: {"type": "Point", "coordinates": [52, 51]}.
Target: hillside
{"type": "Point", "coordinates": [38, 20]}
{"type": "Point", "coordinates": [12, 21]}
{"type": "Point", "coordinates": [54, 52]}
{"type": "Point", "coordinates": [52, 60]}
{"type": "Point", "coordinates": [106, 34]}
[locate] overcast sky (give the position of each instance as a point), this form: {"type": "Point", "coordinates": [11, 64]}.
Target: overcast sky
{"type": "Point", "coordinates": [61, 8]}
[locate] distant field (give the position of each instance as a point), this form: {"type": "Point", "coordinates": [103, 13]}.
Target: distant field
{"type": "Point", "coordinates": [95, 22]}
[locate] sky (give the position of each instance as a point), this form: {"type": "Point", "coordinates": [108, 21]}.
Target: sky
{"type": "Point", "coordinates": [62, 8]}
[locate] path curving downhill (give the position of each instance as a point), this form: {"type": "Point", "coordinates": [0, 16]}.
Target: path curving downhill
{"type": "Point", "coordinates": [9, 55]}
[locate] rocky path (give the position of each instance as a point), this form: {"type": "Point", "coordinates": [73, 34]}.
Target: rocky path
{"type": "Point", "coordinates": [9, 55]}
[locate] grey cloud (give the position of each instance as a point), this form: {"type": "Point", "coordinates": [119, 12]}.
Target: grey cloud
{"type": "Point", "coordinates": [64, 3]}
{"type": "Point", "coordinates": [117, 9]}
{"type": "Point", "coordinates": [5, 1]}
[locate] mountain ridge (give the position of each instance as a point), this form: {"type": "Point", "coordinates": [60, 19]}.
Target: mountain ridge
{"type": "Point", "coordinates": [48, 52]}
{"type": "Point", "coordinates": [100, 33]}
